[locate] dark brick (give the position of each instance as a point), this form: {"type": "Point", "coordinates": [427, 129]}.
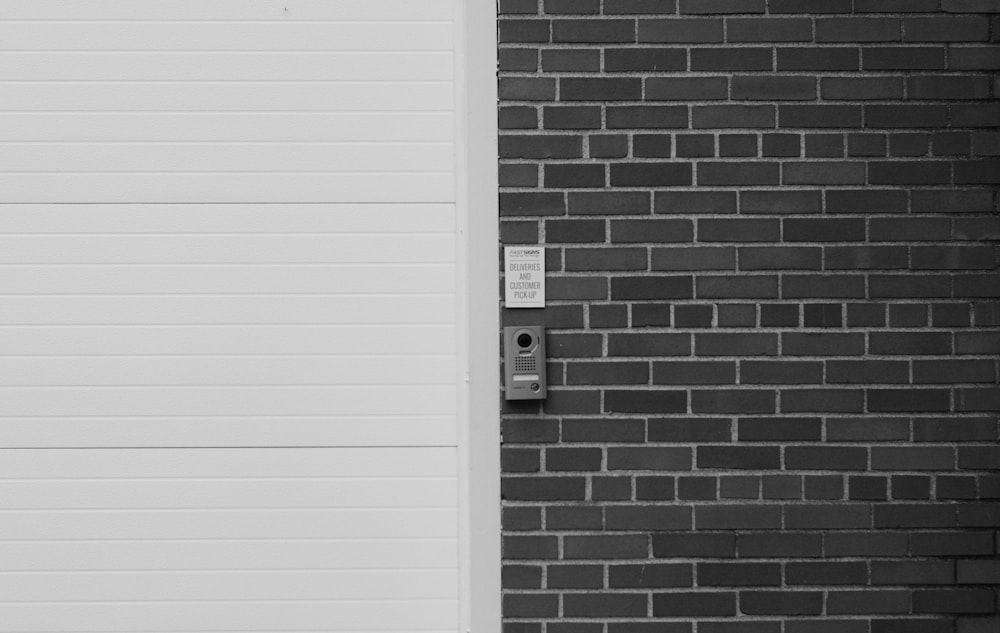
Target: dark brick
{"type": "Point", "coordinates": [731, 59]}
{"type": "Point", "coordinates": [693, 316]}
{"type": "Point", "coordinates": [781, 145]}
{"type": "Point", "coordinates": [604, 605]}
{"type": "Point", "coordinates": [954, 601]}
{"type": "Point", "coordinates": [695, 30]}
{"type": "Point", "coordinates": [651, 230]}
{"type": "Point", "coordinates": [818, 116]}
{"type": "Point", "coordinates": [685, 88]}
{"type": "Point", "coordinates": [573, 175]}
{"type": "Point", "coordinates": [779, 545]}
{"type": "Point", "coordinates": [654, 517]}
{"type": "Point", "coordinates": [651, 146]}
{"type": "Point", "coordinates": [824, 229]}
{"type": "Point", "coordinates": [600, 89]}
{"type": "Point", "coordinates": [518, 59]}
{"type": "Point", "coordinates": [722, 6]}
{"type": "Point", "coordinates": [737, 145]}
{"type": "Point", "coordinates": [608, 146]}
{"type": "Point", "coordinates": [523, 31]}
{"type": "Point", "coordinates": [649, 458]}
{"type": "Point", "coordinates": [822, 400]}
{"type": "Point", "coordinates": [530, 605]}
{"type": "Point", "coordinates": [645, 345]}
{"type": "Point", "coordinates": [605, 546]}
{"type": "Point", "coordinates": [650, 575]}
{"type": "Point", "coordinates": [821, 59]}
{"type": "Point", "coordinates": [702, 603]}
{"type": "Point", "coordinates": [858, 30]}
{"type": "Point", "coordinates": [974, 58]}
{"type": "Point", "coordinates": [615, 7]}
{"type": "Point", "coordinates": [903, 58]}
{"type": "Point", "coordinates": [738, 574]}
{"type": "Point", "coordinates": [742, 173]}
{"type": "Point", "coordinates": [921, 572]}
{"type": "Point", "coordinates": [581, 7]}
{"type": "Point", "coordinates": [536, 146]}
{"type": "Point", "coordinates": [609, 203]}
{"type": "Point", "coordinates": [651, 288]}
{"type": "Point", "coordinates": [697, 202]}
{"type": "Point", "coordinates": [574, 576]}
{"type": "Point", "coordinates": [778, 315]}
{"type": "Point", "coordinates": [733, 116]}
{"type": "Point", "coordinates": [912, 625]}
{"type": "Point", "coordinates": [571, 60]}
{"type": "Point", "coordinates": [810, 6]}
{"type": "Point", "coordinates": [739, 457]}
{"type": "Point", "coordinates": [780, 372]}
{"type": "Point", "coordinates": [768, 30]}
{"type": "Point", "coordinates": [543, 488]}
{"type": "Point", "coordinates": [521, 577]}
{"type": "Point", "coordinates": [652, 117]}
{"type": "Point", "coordinates": [873, 544]}
{"type": "Point", "coordinates": [861, 88]}
{"type": "Point", "coordinates": [571, 118]}
{"type": "Point", "coordinates": [867, 372]}
{"type": "Point", "coordinates": [947, 29]}
{"type": "Point", "coordinates": [644, 59]}
{"type": "Point", "coordinates": [695, 145]}
{"type": "Point", "coordinates": [742, 344]}
{"type": "Point", "coordinates": [822, 343]}
{"type": "Point", "coordinates": [694, 373]}
{"type": "Point", "coordinates": [650, 174]}
{"type": "Point", "coordinates": [826, 458]}
{"type": "Point", "coordinates": [593, 31]}
{"type": "Point", "coordinates": [907, 116]}
{"type": "Point", "coordinates": [702, 545]}
{"type": "Point", "coordinates": [530, 547]}
{"type": "Point", "coordinates": [869, 601]}
{"type": "Point", "coordinates": [690, 430]}
{"type": "Point", "coordinates": [781, 602]}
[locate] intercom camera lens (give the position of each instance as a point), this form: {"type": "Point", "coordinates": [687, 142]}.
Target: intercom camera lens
{"type": "Point", "coordinates": [524, 340]}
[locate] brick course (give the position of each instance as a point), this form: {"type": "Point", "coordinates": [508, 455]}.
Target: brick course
{"type": "Point", "coordinates": [773, 317]}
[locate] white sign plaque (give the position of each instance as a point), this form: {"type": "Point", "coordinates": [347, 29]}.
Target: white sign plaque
{"type": "Point", "coordinates": [524, 277]}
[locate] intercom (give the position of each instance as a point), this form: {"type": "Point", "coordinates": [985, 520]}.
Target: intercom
{"type": "Point", "coordinates": [524, 362]}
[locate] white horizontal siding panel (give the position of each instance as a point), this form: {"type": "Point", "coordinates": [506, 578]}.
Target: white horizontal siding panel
{"type": "Point", "coordinates": [433, 584]}
{"type": "Point", "coordinates": [224, 187]}
{"type": "Point", "coordinates": [334, 158]}
{"type": "Point", "coordinates": [239, 127]}
{"type": "Point", "coordinates": [226, 66]}
{"type": "Point", "coordinates": [228, 524]}
{"type": "Point", "coordinates": [257, 554]}
{"type": "Point", "coordinates": [226, 400]}
{"type": "Point", "coordinates": [351, 462]}
{"type": "Point", "coordinates": [358, 492]}
{"type": "Point", "coordinates": [236, 431]}
{"type": "Point", "coordinates": [197, 10]}
{"type": "Point", "coordinates": [220, 279]}
{"type": "Point", "coordinates": [361, 370]}
{"type": "Point", "coordinates": [227, 340]}
{"type": "Point", "coordinates": [231, 309]}
{"type": "Point", "coordinates": [281, 96]}
{"type": "Point", "coordinates": [433, 616]}
{"type": "Point", "coordinates": [228, 218]}
{"type": "Point", "coordinates": [382, 35]}
{"type": "Point", "coordinates": [328, 248]}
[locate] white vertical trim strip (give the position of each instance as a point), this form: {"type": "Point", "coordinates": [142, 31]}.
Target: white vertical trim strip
{"type": "Point", "coordinates": [476, 195]}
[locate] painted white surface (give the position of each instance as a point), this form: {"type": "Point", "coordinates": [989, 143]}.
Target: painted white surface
{"type": "Point", "coordinates": [234, 336]}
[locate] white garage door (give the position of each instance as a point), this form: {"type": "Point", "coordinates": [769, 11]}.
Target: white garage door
{"type": "Point", "coordinates": [234, 325]}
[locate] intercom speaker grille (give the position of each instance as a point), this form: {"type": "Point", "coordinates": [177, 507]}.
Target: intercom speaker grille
{"type": "Point", "coordinates": [524, 363]}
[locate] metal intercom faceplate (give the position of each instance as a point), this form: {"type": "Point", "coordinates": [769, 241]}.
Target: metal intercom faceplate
{"type": "Point", "coordinates": [524, 362]}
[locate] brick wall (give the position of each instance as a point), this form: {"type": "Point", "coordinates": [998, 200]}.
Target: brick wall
{"type": "Point", "coordinates": [773, 317]}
